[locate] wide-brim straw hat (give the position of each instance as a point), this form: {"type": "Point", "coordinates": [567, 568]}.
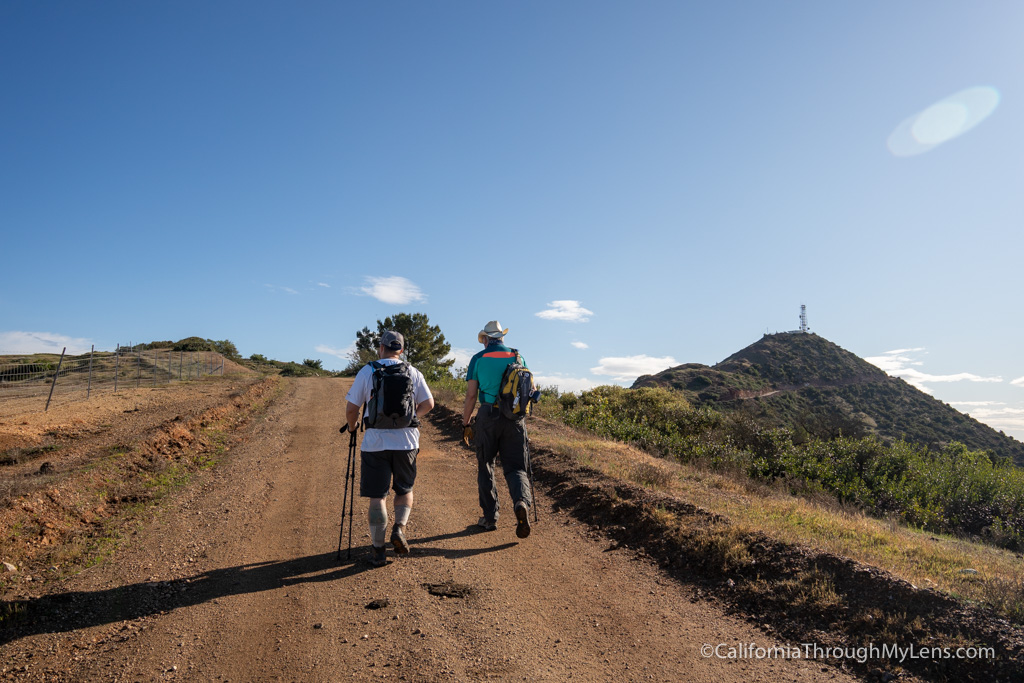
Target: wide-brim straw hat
{"type": "Point", "coordinates": [492, 330]}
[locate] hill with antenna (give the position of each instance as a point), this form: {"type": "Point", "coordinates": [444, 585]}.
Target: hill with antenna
{"type": "Point", "coordinates": [815, 388]}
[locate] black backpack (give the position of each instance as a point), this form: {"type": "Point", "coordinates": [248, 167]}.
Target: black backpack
{"type": "Point", "coordinates": [391, 404]}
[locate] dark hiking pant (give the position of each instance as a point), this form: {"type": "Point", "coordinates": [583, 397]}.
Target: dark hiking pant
{"type": "Point", "coordinates": [494, 435]}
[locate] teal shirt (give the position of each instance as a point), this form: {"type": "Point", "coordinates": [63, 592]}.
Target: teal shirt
{"type": "Point", "coordinates": [488, 366]}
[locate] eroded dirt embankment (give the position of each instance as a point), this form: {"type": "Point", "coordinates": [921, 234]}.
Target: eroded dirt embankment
{"type": "Point", "coordinates": [796, 593]}
{"type": "Point", "coordinates": [71, 478]}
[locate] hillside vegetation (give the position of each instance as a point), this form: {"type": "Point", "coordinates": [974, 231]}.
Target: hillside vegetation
{"type": "Point", "coordinates": [816, 389]}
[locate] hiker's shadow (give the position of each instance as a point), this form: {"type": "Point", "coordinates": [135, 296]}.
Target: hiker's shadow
{"type": "Point", "coordinates": [82, 609]}
{"type": "Point", "coordinates": [471, 530]}
{"type": "Point", "coordinates": [426, 546]}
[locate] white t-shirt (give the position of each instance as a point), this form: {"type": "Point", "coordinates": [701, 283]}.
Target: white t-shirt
{"type": "Point", "coordinates": [404, 439]}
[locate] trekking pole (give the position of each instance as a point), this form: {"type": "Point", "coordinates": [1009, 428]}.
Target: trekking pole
{"type": "Point", "coordinates": [344, 500]}
{"type": "Point", "coordinates": [348, 501]}
{"type": "Point", "coordinates": [529, 472]}
{"type": "Point", "coordinates": [352, 498]}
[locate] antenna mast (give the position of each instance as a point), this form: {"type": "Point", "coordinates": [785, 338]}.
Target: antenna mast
{"type": "Point", "coordinates": [803, 318]}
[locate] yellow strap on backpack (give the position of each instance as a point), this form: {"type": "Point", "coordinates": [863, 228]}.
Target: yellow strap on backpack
{"type": "Point", "coordinates": [510, 386]}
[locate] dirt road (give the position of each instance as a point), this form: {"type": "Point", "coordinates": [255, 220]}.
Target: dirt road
{"type": "Point", "coordinates": [237, 579]}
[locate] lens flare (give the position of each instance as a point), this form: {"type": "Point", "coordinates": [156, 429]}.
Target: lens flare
{"type": "Point", "coordinates": [939, 123]}
{"type": "Point", "coordinates": [943, 121]}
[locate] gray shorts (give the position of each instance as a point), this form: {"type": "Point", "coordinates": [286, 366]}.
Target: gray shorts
{"type": "Point", "coordinates": [378, 468]}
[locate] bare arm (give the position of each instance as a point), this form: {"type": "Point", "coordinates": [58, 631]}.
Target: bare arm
{"type": "Point", "coordinates": [424, 407]}
{"type": "Point", "coordinates": [472, 388]}
{"type": "Point", "coordinates": [352, 414]}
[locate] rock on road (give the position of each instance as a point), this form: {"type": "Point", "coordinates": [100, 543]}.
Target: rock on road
{"type": "Point", "coordinates": [237, 579]}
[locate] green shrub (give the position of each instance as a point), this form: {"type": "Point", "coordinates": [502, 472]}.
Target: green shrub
{"type": "Point", "coordinates": [193, 344]}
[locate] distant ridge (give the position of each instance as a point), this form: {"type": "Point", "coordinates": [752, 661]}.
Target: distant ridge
{"type": "Point", "coordinates": [816, 388]}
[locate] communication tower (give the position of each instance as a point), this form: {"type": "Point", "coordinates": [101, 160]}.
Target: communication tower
{"type": "Point", "coordinates": [803, 319]}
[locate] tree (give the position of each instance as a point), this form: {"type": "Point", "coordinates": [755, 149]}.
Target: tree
{"type": "Point", "coordinates": [226, 347]}
{"type": "Point", "coordinates": [193, 344]}
{"type": "Point", "coordinates": [360, 357]}
{"type": "Point", "coordinates": [315, 364]}
{"type": "Point", "coordinates": [425, 347]}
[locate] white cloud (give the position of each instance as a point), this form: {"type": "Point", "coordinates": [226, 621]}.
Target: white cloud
{"type": "Point", "coordinates": [323, 284]}
{"type": "Point", "coordinates": [628, 368]}
{"type": "Point", "coordinates": [340, 353]}
{"type": "Point", "coordinates": [277, 288]}
{"type": "Point", "coordinates": [1005, 418]}
{"type": "Point", "coordinates": [462, 357]}
{"type": "Point", "coordinates": [16, 342]}
{"type": "Point", "coordinates": [565, 383]}
{"type": "Point", "coordinates": [393, 290]}
{"type": "Point", "coordinates": [897, 363]}
{"type": "Point", "coordinates": [997, 412]}
{"type": "Point", "coordinates": [570, 311]}
{"type": "Point", "coordinates": [916, 376]}
{"type": "Point", "coordinates": [1019, 382]}
{"type": "Point", "coordinates": [581, 345]}
{"type": "Point", "coordinates": [902, 351]}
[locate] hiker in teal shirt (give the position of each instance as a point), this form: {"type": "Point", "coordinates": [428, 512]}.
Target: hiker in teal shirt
{"type": "Point", "coordinates": [494, 433]}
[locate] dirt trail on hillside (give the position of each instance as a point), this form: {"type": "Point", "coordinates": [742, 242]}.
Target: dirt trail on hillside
{"type": "Point", "coordinates": [237, 580]}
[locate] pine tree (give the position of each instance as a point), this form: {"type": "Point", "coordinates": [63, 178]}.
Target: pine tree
{"type": "Point", "coordinates": [425, 347]}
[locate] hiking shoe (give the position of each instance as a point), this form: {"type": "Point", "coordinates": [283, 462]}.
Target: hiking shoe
{"type": "Point", "coordinates": [487, 524]}
{"type": "Point", "coordinates": [522, 520]}
{"type": "Point", "coordinates": [398, 539]}
{"type": "Point", "coordinates": [378, 556]}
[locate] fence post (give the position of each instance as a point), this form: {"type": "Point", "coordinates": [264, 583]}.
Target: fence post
{"type": "Point", "coordinates": [170, 352]}
{"type": "Point", "coordinates": [117, 364]}
{"type": "Point", "coordinates": [181, 359]}
{"type": "Point", "coordinates": [138, 365]}
{"type": "Point", "coordinates": [53, 384]}
{"type": "Point", "coordinates": [88, 391]}
{"type": "Point", "coordinates": [222, 366]}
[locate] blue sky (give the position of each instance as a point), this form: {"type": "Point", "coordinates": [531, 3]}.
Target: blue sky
{"type": "Point", "coordinates": [626, 186]}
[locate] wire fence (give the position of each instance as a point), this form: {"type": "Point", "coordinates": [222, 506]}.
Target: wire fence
{"type": "Point", "coordinates": [51, 377]}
